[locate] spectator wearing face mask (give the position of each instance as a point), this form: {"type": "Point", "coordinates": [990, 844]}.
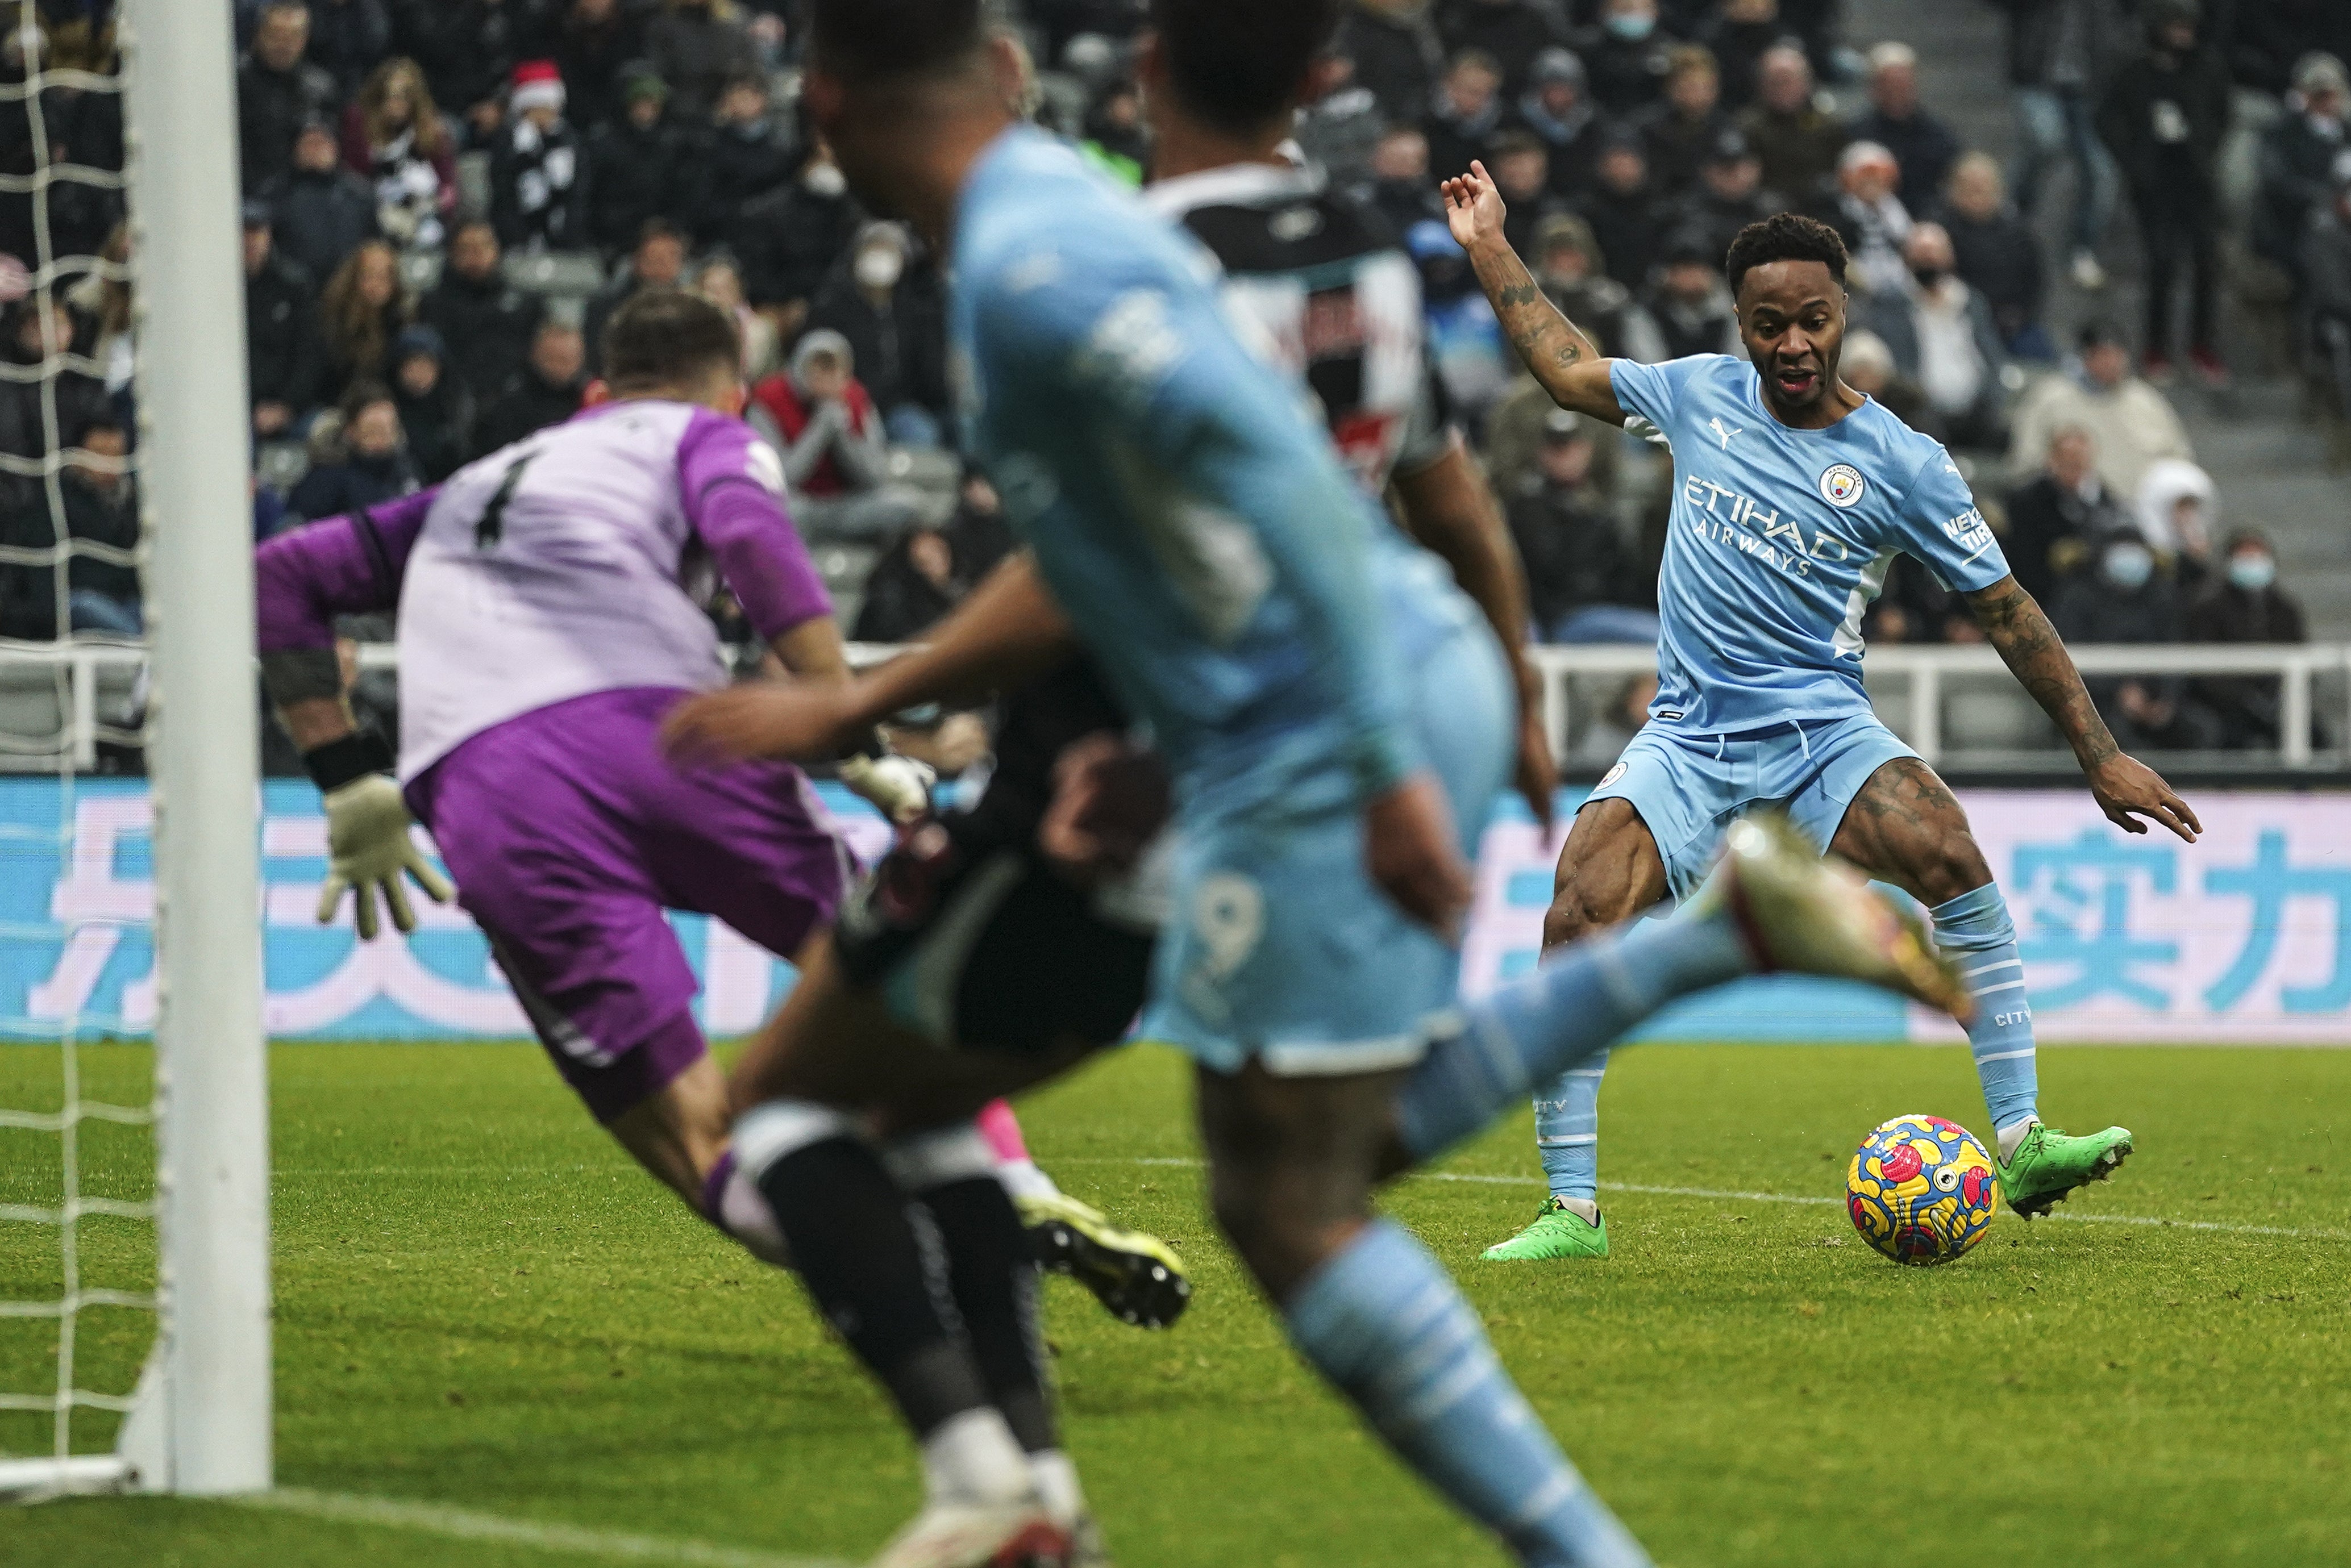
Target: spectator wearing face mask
{"type": "Point", "coordinates": [641, 165]}
{"type": "Point", "coordinates": [1941, 336]}
{"type": "Point", "coordinates": [1998, 255]}
{"type": "Point", "coordinates": [370, 465]}
{"type": "Point", "coordinates": [1556, 110]}
{"type": "Point", "coordinates": [1466, 115]}
{"type": "Point", "coordinates": [2179, 516]}
{"type": "Point", "coordinates": [1796, 140]}
{"type": "Point", "coordinates": [2301, 158]}
{"type": "Point", "coordinates": [749, 154]}
{"type": "Point", "coordinates": [821, 417]}
{"type": "Point", "coordinates": [2124, 598]}
{"type": "Point", "coordinates": [788, 239]}
{"type": "Point", "coordinates": [2130, 422]}
{"type": "Point", "coordinates": [549, 390]}
{"type": "Point", "coordinates": [2244, 604]}
{"type": "Point", "coordinates": [2162, 118]}
{"type": "Point", "coordinates": [1627, 57]}
{"type": "Point", "coordinates": [895, 326]}
{"type": "Point", "coordinates": [538, 173]}
{"type": "Point", "coordinates": [1397, 51]}
{"type": "Point", "coordinates": [2053, 517]}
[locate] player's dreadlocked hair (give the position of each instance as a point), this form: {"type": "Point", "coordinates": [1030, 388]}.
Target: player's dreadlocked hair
{"type": "Point", "coordinates": [1784, 236]}
{"type": "Point", "coordinates": [1239, 63]}
{"type": "Point", "coordinates": [668, 337]}
{"type": "Point", "coordinates": [867, 41]}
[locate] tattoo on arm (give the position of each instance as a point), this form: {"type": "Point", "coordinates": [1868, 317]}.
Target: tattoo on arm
{"type": "Point", "coordinates": [2036, 655]}
{"type": "Point", "coordinates": [1545, 339]}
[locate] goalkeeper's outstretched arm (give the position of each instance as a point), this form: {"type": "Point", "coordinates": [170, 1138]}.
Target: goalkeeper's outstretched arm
{"type": "Point", "coordinates": [302, 581]}
{"type": "Point", "coordinates": [1569, 364]}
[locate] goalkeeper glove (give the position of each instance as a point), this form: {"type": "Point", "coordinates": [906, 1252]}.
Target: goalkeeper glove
{"type": "Point", "coordinates": [899, 787]}
{"type": "Point", "coordinates": [368, 842]}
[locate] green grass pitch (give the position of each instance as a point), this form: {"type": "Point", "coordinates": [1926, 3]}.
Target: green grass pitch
{"type": "Point", "coordinates": [482, 1308]}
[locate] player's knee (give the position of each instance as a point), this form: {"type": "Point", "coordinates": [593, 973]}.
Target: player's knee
{"type": "Point", "coordinates": [1953, 864]}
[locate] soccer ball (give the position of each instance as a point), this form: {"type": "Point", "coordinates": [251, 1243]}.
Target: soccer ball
{"type": "Point", "coordinates": [1921, 1189]}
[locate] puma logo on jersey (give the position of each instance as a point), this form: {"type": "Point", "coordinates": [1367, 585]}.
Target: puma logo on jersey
{"type": "Point", "coordinates": [1726, 435]}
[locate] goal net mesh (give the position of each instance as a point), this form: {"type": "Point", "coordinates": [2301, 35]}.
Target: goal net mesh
{"type": "Point", "coordinates": [78, 1086]}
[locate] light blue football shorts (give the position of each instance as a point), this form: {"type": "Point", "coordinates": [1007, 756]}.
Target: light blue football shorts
{"type": "Point", "coordinates": [1690, 787]}
{"type": "Point", "coordinates": [1278, 946]}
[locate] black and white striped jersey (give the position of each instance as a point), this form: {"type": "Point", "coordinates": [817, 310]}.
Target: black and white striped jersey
{"type": "Point", "coordinates": [1319, 284]}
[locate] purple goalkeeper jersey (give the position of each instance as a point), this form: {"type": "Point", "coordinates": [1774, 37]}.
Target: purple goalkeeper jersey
{"type": "Point", "coordinates": [574, 561]}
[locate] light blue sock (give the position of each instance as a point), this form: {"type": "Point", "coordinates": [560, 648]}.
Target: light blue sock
{"type": "Point", "coordinates": [1974, 928]}
{"type": "Point", "coordinates": [1385, 1325]}
{"type": "Point", "coordinates": [1534, 1029]}
{"type": "Point", "coordinates": [1567, 1130]}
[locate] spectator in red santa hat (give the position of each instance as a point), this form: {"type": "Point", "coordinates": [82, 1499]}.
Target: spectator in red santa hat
{"type": "Point", "coordinates": [539, 177]}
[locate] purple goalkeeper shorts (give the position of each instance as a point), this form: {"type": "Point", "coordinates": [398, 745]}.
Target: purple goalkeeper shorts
{"type": "Point", "coordinates": [569, 834]}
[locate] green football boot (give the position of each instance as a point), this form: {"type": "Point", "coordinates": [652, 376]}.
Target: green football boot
{"type": "Point", "coordinates": [1558, 1232]}
{"type": "Point", "coordinates": [2048, 1166]}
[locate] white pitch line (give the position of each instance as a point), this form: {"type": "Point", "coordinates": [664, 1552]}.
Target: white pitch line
{"type": "Point", "coordinates": [462, 1524]}
{"type": "Point", "coordinates": [2298, 1233]}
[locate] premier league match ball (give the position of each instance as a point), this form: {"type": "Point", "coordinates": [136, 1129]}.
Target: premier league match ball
{"type": "Point", "coordinates": [1921, 1189]}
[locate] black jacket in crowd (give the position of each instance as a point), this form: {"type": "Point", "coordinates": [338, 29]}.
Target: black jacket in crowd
{"type": "Point", "coordinates": [2000, 260]}
{"type": "Point", "coordinates": [592, 59]}
{"type": "Point", "coordinates": [2163, 117]}
{"type": "Point", "coordinates": [739, 163]}
{"type": "Point", "coordinates": [1398, 58]}
{"type": "Point", "coordinates": [1513, 31]}
{"type": "Point", "coordinates": [353, 484]}
{"type": "Point", "coordinates": [526, 402]}
{"type": "Point", "coordinates": [469, 48]}
{"type": "Point", "coordinates": [271, 108]}
{"type": "Point", "coordinates": [788, 240]}
{"type": "Point", "coordinates": [1923, 145]}
{"type": "Point", "coordinates": [487, 325]}
{"type": "Point", "coordinates": [285, 351]}
{"type": "Point", "coordinates": [2048, 523]}
{"type": "Point", "coordinates": [635, 175]}
{"type": "Point", "coordinates": [901, 350]}
{"type": "Point", "coordinates": [1574, 553]}
{"type": "Point", "coordinates": [322, 218]}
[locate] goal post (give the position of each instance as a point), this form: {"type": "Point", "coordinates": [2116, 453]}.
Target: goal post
{"type": "Point", "coordinates": [202, 749]}
{"type": "Point", "coordinates": [199, 1419]}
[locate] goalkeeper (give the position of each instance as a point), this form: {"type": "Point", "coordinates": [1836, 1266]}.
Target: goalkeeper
{"type": "Point", "coordinates": [549, 616]}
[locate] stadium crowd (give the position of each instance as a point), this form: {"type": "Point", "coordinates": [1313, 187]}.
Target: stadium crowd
{"type": "Point", "coordinates": [443, 199]}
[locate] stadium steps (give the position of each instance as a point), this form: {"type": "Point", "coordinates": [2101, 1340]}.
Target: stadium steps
{"type": "Point", "coordinates": [2267, 461]}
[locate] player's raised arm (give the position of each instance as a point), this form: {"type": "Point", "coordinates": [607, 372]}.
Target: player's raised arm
{"type": "Point", "coordinates": [2126, 789]}
{"type": "Point", "coordinates": [1567, 363]}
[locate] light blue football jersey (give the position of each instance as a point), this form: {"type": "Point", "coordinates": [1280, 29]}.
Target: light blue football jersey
{"type": "Point", "coordinates": [1241, 591]}
{"type": "Point", "coordinates": [1780, 539]}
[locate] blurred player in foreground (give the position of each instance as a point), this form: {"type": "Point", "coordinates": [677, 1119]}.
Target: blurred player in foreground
{"type": "Point", "coordinates": [1793, 494]}
{"type": "Point", "coordinates": [1330, 711]}
{"type": "Point", "coordinates": [550, 612]}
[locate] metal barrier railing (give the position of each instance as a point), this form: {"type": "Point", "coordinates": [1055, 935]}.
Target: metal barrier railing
{"type": "Point", "coordinates": [60, 701]}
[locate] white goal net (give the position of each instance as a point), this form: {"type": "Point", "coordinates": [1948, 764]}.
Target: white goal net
{"type": "Point", "coordinates": [134, 1265]}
